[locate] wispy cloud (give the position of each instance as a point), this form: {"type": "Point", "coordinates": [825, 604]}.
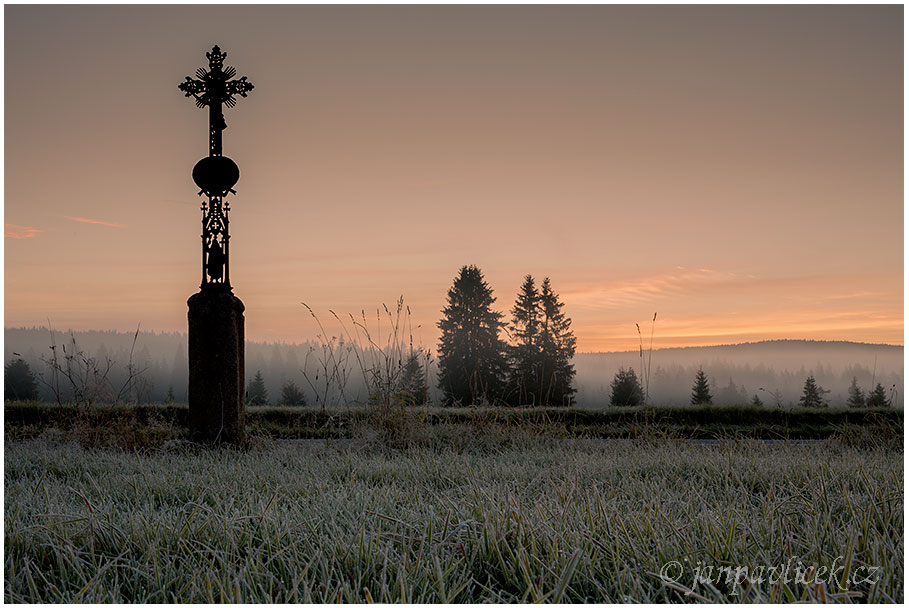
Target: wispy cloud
{"type": "Point", "coordinates": [86, 220]}
{"type": "Point", "coordinates": [676, 282]}
{"type": "Point", "coordinates": [14, 231]}
{"type": "Point", "coordinates": [858, 295]}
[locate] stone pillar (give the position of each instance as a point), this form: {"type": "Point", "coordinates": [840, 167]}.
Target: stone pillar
{"type": "Point", "coordinates": [217, 413]}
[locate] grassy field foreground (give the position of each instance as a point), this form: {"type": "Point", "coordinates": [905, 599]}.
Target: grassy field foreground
{"type": "Point", "coordinates": [543, 519]}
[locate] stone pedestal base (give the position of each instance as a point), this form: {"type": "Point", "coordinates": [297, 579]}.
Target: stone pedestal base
{"type": "Point", "coordinates": [217, 413]}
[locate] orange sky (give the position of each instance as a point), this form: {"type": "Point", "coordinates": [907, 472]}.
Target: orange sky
{"type": "Point", "coordinates": [738, 170]}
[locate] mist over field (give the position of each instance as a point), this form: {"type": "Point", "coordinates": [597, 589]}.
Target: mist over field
{"type": "Point", "coordinates": [774, 365]}
{"type": "Point", "coordinates": [736, 372]}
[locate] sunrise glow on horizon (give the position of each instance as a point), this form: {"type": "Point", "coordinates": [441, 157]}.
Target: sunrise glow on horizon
{"type": "Point", "coordinates": [737, 170]}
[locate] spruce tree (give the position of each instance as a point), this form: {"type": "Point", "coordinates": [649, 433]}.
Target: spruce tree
{"type": "Point", "coordinates": [524, 376]}
{"type": "Point", "coordinates": [812, 394]}
{"type": "Point", "coordinates": [557, 343]}
{"type": "Point", "coordinates": [256, 394]}
{"type": "Point", "coordinates": [626, 390]}
{"type": "Point", "coordinates": [472, 364]}
{"type": "Point", "coordinates": [856, 395]}
{"type": "Point", "coordinates": [731, 395]}
{"type": "Point", "coordinates": [291, 394]}
{"type": "Point", "coordinates": [19, 381]}
{"type": "Point", "coordinates": [412, 389]}
{"type": "Point", "coordinates": [878, 398]}
{"type": "Point", "coordinates": [700, 393]}
{"type": "Point", "coordinates": [756, 401]}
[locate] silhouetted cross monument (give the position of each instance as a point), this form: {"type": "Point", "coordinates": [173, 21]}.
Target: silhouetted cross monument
{"type": "Point", "coordinates": [216, 325]}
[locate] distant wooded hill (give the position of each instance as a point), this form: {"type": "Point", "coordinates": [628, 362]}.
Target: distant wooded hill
{"type": "Point", "coordinates": [736, 372]}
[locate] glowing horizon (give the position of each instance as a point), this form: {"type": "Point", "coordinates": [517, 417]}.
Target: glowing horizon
{"type": "Point", "coordinates": [648, 159]}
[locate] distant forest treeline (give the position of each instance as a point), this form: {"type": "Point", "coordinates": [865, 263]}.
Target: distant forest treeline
{"type": "Point", "coordinates": [736, 372]}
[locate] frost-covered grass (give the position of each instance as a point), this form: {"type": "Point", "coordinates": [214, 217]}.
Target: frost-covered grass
{"type": "Point", "coordinates": [567, 520]}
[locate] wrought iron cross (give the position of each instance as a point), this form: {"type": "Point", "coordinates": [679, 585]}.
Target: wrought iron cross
{"type": "Point", "coordinates": [216, 174]}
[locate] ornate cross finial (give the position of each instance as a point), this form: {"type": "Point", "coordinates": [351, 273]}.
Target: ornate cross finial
{"type": "Point", "coordinates": [216, 57]}
{"type": "Point", "coordinates": [216, 174]}
{"type": "Point", "coordinates": [213, 86]}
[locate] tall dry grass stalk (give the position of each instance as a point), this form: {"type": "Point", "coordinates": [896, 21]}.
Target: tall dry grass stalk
{"type": "Point", "coordinates": [75, 377]}
{"type": "Point", "coordinates": [645, 371]}
{"type": "Point", "coordinates": [378, 351]}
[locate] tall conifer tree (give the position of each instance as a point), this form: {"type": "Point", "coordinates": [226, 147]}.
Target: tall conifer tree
{"type": "Point", "coordinates": [256, 393]}
{"type": "Point", "coordinates": [472, 365]}
{"type": "Point", "coordinates": [525, 353]}
{"type": "Point", "coordinates": [877, 397]}
{"type": "Point", "coordinates": [700, 393]}
{"type": "Point", "coordinates": [412, 389]}
{"type": "Point", "coordinates": [812, 394]}
{"type": "Point", "coordinates": [541, 372]}
{"type": "Point", "coordinates": [19, 381]}
{"type": "Point", "coordinates": [856, 395]}
{"type": "Point", "coordinates": [626, 390]}
{"type": "Point", "coordinates": [557, 343]}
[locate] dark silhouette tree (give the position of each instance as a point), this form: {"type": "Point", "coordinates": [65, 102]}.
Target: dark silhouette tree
{"type": "Point", "coordinates": [700, 392]}
{"type": "Point", "coordinates": [526, 357]}
{"type": "Point", "coordinates": [412, 388]}
{"type": "Point", "coordinates": [756, 401]}
{"type": "Point", "coordinates": [256, 394]}
{"type": "Point", "coordinates": [856, 395]}
{"type": "Point", "coordinates": [291, 394]}
{"type": "Point", "coordinates": [812, 394]}
{"type": "Point", "coordinates": [472, 364]}
{"type": "Point", "coordinates": [732, 394]}
{"type": "Point", "coordinates": [877, 397]}
{"type": "Point", "coordinates": [170, 398]}
{"type": "Point", "coordinates": [557, 343]}
{"type": "Point", "coordinates": [19, 381]}
{"type": "Point", "coordinates": [626, 389]}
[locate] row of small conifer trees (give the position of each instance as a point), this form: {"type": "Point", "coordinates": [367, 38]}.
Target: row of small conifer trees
{"type": "Point", "coordinates": [627, 390]}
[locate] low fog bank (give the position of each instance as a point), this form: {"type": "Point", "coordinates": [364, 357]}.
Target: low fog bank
{"type": "Point", "coordinates": [736, 372]}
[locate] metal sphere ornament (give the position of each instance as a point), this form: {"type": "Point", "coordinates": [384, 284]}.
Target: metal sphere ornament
{"type": "Point", "coordinates": [216, 175]}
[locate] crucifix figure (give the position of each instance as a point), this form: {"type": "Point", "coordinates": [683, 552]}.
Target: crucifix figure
{"type": "Point", "coordinates": [217, 174]}
{"type": "Point", "coordinates": [217, 412]}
